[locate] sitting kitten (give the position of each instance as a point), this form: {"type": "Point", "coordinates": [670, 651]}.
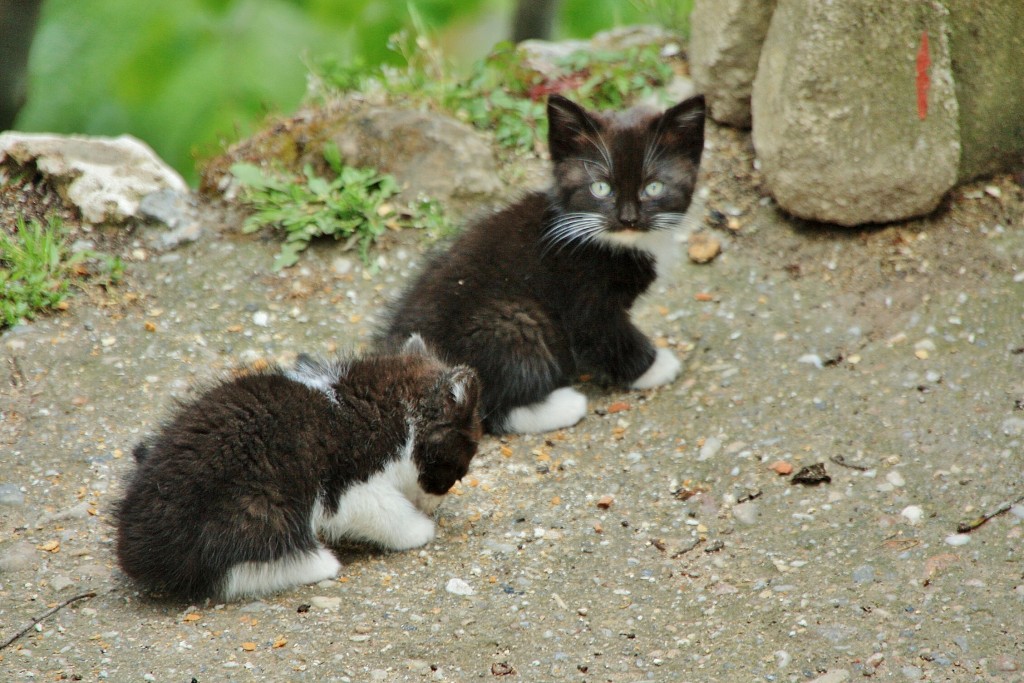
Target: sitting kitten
{"type": "Point", "coordinates": [539, 292]}
{"type": "Point", "coordinates": [228, 499]}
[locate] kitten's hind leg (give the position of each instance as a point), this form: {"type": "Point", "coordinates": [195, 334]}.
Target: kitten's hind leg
{"type": "Point", "coordinates": [663, 370]}
{"type": "Point", "coordinates": [562, 408]}
{"type": "Point", "coordinates": [259, 578]}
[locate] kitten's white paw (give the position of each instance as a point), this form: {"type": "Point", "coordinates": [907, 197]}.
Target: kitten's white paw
{"type": "Point", "coordinates": [415, 531]}
{"type": "Point", "coordinates": [562, 408]}
{"type": "Point", "coordinates": [260, 578]}
{"type": "Point", "coordinates": [427, 502]}
{"type": "Point", "coordinates": [664, 369]}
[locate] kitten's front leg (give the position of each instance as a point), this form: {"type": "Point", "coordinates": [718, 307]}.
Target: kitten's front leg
{"type": "Point", "coordinates": [664, 369]}
{"type": "Point", "coordinates": [624, 354]}
{"type": "Point", "coordinates": [377, 512]}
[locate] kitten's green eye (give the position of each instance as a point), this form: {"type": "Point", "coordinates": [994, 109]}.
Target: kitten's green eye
{"type": "Point", "coordinates": [600, 189]}
{"type": "Point", "coordinates": [655, 189]}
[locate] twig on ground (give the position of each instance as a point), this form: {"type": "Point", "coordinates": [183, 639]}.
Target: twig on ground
{"type": "Point", "coordinates": [48, 613]}
{"type": "Point", "coordinates": [841, 461]}
{"type": "Point", "coordinates": [968, 527]}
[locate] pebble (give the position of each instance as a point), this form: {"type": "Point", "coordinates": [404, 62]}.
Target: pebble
{"type": "Point", "coordinates": [864, 574]}
{"type": "Point", "coordinates": [341, 266]}
{"type": "Point", "coordinates": [811, 359]}
{"type": "Point", "coordinates": [324, 602]}
{"type": "Point", "coordinates": [837, 676]}
{"type": "Point", "coordinates": [261, 318]}
{"type": "Point", "coordinates": [782, 659]}
{"type": "Point", "coordinates": [746, 513]}
{"type": "Point", "coordinates": [958, 539]}
{"type": "Point", "coordinates": [16, 556]}
{"type": "Point", "coordinates": [710, 448]}
{"type": "Point", "coordinates": [1013, 426]}
{"type": "Point", "coordinates": [59, 583]}
{"type": "Point", "coordinates": [895, 478]}
{"type": "Point", "coordinates": [10, 494]}
{"type": "Point", "coordinates": [1004, 663]}
{"type": "Point", "coordinates": [459, 587]}
{"type": "Point", "coordinates": [703, 247]}
{"type": "Point", "coordinates": [913, 514]}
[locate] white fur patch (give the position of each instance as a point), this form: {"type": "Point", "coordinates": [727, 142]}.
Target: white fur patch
{"type": "Point", "coordinates": [664, 369]}
{"type": "Point", "coordinates": [387, 509]}
{"type": "Point", "coordinates": [661, 244]}
{"type": "Point", "coordinates": [249, 579]}
{"type": "Point", "coordinates": [318, 375]}
{"type": "Point", "coordinates": [561, 408]}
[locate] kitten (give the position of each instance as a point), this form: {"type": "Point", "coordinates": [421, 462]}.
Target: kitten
{"type": "Point", "coordinates": [228, 499]}
{"type": "Point", "coordinates": [540, 292]}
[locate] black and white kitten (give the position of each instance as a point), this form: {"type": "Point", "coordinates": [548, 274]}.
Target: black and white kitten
{"type": "Point", "coordinates": [540, 292]}
{"type": "Point", "coordinates": [230, 497]}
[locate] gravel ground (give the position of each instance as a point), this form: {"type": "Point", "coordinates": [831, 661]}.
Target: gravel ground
{"type": "Point", "coordinates": [657, 540]}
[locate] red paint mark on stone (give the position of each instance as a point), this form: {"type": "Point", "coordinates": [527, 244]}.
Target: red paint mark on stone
{"type": "Point", "coordinates": [923, 80]}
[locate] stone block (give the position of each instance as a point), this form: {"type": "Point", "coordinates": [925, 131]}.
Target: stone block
{"type": "Point", "coordinates": [845, 128]}
{"type": "Point", "coordinates": [987, 44]}
{"type": "Point", "coordinates": [725, 43]}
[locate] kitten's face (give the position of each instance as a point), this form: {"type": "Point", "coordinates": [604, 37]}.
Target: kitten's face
{"type": "Point", "coordinates": [621, 177]}
{"type": "Point", "coordinates": [449, 430]}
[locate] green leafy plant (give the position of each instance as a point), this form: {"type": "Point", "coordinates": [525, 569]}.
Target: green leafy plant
{"type": "Point", "coordinates": [503, 93]}
{"type": "Point", "coordinates": [36, 269]}
{"type": "Point", "coordinates": [352, 206]}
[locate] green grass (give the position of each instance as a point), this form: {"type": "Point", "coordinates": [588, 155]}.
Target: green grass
{"type": "Point", "coordinates": [353, 206]}
{"type": "Point", "coordinates": [37, 270]}
{"type": "Point", "coordinates": [502, 93]}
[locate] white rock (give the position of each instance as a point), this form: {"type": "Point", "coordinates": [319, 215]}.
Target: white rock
{"type": "Point", "coordinates": [106, 178]}
{"type": "Point", "coordinates": [746, 513]}
{"type": "Point", "coordinates": [710, 448]}
{"type": "Point", "coordinates": [958, 539]}
{"type": "Point", "coordinates": [459, 587]}
{"type": "Point", "coordinates": [324, 602]}
{"type": "Point", "coordinates": [895, 478]}
{"type": "Point", "coordinates": [913, 514]}
{"type": "Point", "coordinates": [811, 359]}
{"type": "Point", "coordinates": [260, 318]}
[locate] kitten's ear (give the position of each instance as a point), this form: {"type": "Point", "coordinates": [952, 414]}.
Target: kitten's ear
{"type": "Point", "coordinates": [570, 126]}
{"type": "Point", "coordinates": [415, 346]}
{"type": "Point", "coordinates": [682, 127]}
{"type": "Point", "coordinates": [463, 388]}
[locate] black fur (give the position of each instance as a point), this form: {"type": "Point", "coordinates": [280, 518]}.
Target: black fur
{"type": "Point", "coordinates": [529, 296]}
{"type": "Point", "coordinates": [234, 475]}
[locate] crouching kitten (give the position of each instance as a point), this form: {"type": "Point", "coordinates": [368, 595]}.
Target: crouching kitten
{"type": "Point", "coordinates": [231, 497]}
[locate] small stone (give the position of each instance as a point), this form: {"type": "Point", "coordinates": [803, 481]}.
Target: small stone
{"type": "Point", "coordinates": [837, 676]}
{"type": "Point", "coordinates": [59, 583]}
{"type": "Point", "coordinates": [459, 587]}
{"type": "Point", "coordinates": [1004, 663]}
{"type": "Point", "coordinates": [1013, 426]}
{"type": "Point", "coordinates": [605, 502]}
{"type": "Point", "coordinates": [16, 556]}
{"type": "Point", "coordinates": [359, 637]}
{"type": "Point", "coordinates": [746, 513]}
{"type": "Point", "coordinates": [811, 359]}
{"type": "Point", "coordinates": [710, 448]}
{"type": "Point", "coordinates": [10, 494]}
{"type": "Point", "coordinates": [703, 247]}
{"type": "Point", "coordinates": [864, 574]}
{"type": "Point", "coordinates": [324, 602]}
{"type": "Point", "coordinates": [958, 539]}
{"type": "Point", "coordinates": [341, 266]}
{"type": "Point", "coordinates": [260, 318]}
{"type": "Point", "coordinates": [895, 478]}
{"type": "Point", "coordinates": [913, 514]}
{"type": "Point", "coordinates": [781, 467]}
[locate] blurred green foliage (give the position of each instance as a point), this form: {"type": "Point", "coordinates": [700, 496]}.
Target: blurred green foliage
{"type": "Point", "coordinates": [37, 270]}
{"type": "Point", "coordinates": [351, 206]}
{"type": "Point", "coordinates": [190, 75]}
